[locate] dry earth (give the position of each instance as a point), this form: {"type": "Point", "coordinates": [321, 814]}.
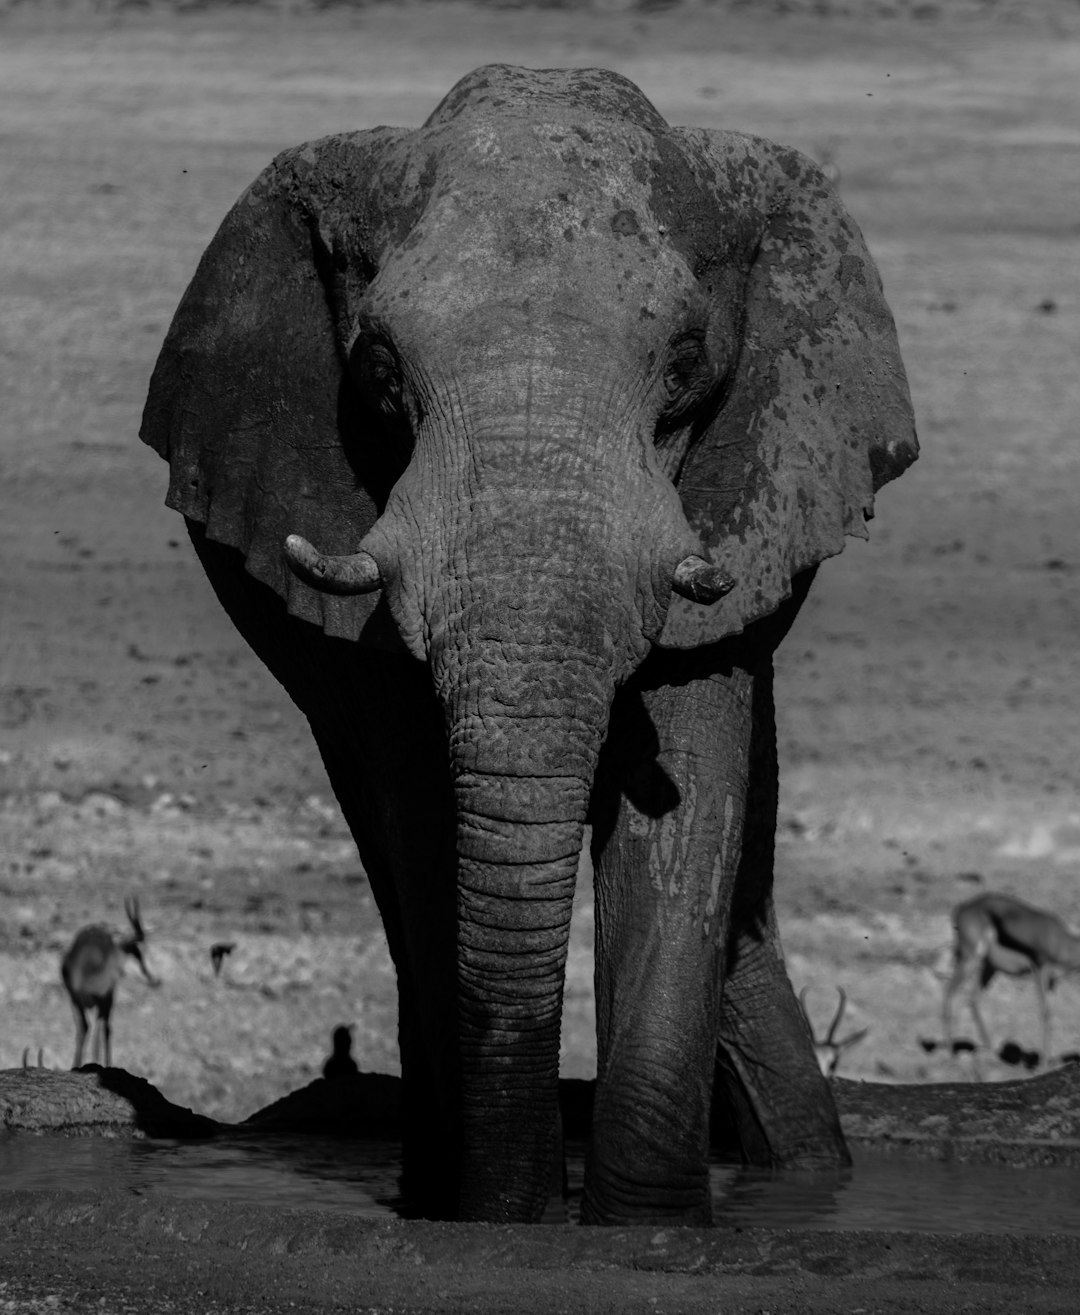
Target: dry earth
{"type": "Point", "coordinates": [929, 735]}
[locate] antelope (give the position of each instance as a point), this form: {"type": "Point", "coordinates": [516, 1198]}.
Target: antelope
{"type": "Point", "coordinates": [91, 968]}
{"type": "Point", "coordinates": [1001, 934]}
{"type": "Point", "coordinates": [828, 1050]}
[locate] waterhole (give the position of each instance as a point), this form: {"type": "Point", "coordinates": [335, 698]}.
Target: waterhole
{"type": "Point", "coordinates": [361, 1178]}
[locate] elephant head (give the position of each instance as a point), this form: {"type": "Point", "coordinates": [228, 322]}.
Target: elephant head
{"type": "Point", "coordinates": [528, 392]}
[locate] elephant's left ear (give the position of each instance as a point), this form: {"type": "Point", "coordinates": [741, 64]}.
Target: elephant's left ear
{"type": "Point", "coordinates": [817, 415]}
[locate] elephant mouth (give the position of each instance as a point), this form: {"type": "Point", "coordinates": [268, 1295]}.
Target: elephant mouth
{"type": "Point", "coordinates": [358, 573]}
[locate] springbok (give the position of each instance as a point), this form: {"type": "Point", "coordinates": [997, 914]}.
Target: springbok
{"type": "Point", "coordinates": [829, 1049]}
{"type": "Point", "coordinates": [91, 968]}
{"type": "Point", "coordinates": [1001, 934]}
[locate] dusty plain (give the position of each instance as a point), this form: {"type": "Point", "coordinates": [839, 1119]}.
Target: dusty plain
{"type": "Point", "coordinates": [930, 738]}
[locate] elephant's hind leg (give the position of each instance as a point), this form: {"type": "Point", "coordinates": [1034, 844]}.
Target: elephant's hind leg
{"type": "Point", "coordinates": [769, 1092]}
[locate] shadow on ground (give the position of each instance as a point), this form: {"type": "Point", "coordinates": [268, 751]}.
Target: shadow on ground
{"type": "Point", "coordinates": [1028, 1122]}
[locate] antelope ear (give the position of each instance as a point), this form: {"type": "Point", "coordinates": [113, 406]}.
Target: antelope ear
{"type": "Point", "coordinates": [249, 401]}
{"type": "Point", "coordinates": [817, 415]}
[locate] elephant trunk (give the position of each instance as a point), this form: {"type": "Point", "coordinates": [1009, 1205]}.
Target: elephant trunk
{"type": "Point", "coordinates": [522, 781]}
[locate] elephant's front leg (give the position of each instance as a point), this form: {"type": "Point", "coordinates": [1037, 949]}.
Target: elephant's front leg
{"type": "Point", "coordinates": [396, 802]}
{"type": "Point", "coordinates": [669, 824]}
{"type": "Point", "coordinates": [769, 1088]}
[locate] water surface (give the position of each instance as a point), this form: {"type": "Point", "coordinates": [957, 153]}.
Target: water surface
{"type": "Point", "coordinates": [361, 1178]}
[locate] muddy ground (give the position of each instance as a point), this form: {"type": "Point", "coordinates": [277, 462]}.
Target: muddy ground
{"type": "Point", "coordinates": [930, 743]}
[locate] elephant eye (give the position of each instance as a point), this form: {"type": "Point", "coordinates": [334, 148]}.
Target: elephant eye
{"type": "Point", "coordinates": [378, 372]}
{"type": "Point", "coordinates": [684, 364]}
{"type": "Point", "coordinates": [690, 383]}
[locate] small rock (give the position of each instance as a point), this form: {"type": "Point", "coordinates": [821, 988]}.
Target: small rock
{"type": "Point", "coordinates": [49, 801]}
{"type": "Point", "coordinates": [316, 804]}
{"type": "Point", "coordinates": [99, 804]}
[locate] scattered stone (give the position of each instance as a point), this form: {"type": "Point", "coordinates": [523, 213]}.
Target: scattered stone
{"type": "Point", "coordinates": [318, 805]}
{"type": "Point", "coordinates": [98, 804]}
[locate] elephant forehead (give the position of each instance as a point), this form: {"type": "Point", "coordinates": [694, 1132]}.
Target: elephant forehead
{"type": "Point", "coordinates": [501, 89]}
{"type": "Point", "coordinates": [529, 212]}
{"type": "Point", "coordinates": [603, 177]}
{"type": "Point", "coordinates": [531, 268]}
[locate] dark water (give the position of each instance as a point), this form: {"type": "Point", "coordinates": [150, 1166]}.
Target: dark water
{"type": "Point", "coordinates": [361, 1179]}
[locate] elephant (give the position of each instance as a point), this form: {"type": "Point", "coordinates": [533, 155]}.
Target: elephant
{"type": "Point", "coordinates": [511, 444]}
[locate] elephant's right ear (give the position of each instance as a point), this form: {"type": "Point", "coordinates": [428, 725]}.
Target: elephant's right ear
{"type": "Point", "coordinates": [248, 401]}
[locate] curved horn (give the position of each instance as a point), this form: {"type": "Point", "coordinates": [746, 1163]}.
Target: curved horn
{"type": "Point", "coordinates": [700, 581]}
{"type": "Point", "coordinates": [831, 1033]}
{"type": "Point", "coordinates": [356, 573]}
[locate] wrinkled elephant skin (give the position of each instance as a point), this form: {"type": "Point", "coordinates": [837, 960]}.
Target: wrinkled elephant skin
{"type": "Point", "coordinates": [558, 408]}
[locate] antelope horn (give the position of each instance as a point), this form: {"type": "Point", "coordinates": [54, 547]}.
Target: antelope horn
{"type": "Point", "coordinates": [701, 581]}
{"type": "Point", "coordinates": [356, 573]}
{"type": "Point", "coordinates": [831, 1033]}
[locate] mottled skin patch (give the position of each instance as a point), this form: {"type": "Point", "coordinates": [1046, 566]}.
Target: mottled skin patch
{"type": "Point", "coordinates": [624, 223]}
{"type": "Point", "coordinates": [531, 356]}
{"type": "Point", "coordinates": [721, 863]}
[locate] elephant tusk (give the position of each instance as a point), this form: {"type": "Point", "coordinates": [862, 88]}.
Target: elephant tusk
{"type": "Point", "coordinates": [356, 573]}
{"type": "Point", "coordinates": [701, 581]}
